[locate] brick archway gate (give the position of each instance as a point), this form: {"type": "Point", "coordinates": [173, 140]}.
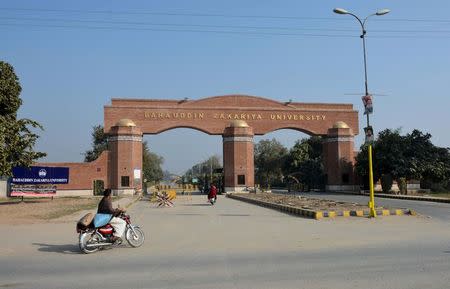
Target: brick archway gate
{"type": "Point", "coordinates": [237, 118]}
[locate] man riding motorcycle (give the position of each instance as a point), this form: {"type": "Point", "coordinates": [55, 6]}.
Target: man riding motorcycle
{"type": "Point", "coordinates": [212, 195]}
{"type": "Point", "coordinates": [105, 207]}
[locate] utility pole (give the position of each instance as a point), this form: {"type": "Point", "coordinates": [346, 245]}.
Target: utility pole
{"type": "Point", "coordinates": [366, 97]}
{"type": "Point", "coordinates": [210, 170]}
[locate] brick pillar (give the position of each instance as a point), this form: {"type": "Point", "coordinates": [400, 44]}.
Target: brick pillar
{"type": "Point", "coordinates": [339, 160]}
{"type": "Point", "coordinates": [238, 162]}
{"type": "Point", "coordinates": [125, 161]}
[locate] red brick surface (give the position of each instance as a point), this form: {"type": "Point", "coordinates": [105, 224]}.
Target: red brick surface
{"type": "Point", "coordinates": [339, 156]}
{"type": "Point", "coordinates": [125, 156]}
{"type": "Point", "coordinates": [212, 115]}
{"type": "Point", "coordinates": [238, 157]}
{"type": "Point", "coordinates": [82, 175]}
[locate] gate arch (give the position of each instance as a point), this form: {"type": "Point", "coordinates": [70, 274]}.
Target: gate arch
{"type": "Point", "coordinates": [237, 118]}
{"type": "Point", "coordinates": [178, 126]}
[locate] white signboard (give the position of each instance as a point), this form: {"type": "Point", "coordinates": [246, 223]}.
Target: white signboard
{"type": "Point", "coordinates": [137, 173]}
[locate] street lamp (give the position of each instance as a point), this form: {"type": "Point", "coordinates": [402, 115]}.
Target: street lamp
{"type": "Point", "coordinates": [366, 97]}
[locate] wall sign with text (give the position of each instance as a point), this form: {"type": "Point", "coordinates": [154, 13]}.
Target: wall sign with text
{"type": "Point", "coordinates": [40, 175]}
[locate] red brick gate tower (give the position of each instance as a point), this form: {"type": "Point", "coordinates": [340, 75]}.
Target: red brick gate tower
{"type": "Point", "coordinates": [125, 158]}
{"type": "Point", "coordinates": [338, 155]}
{"type": "Point", "coordinates": [238, 160]}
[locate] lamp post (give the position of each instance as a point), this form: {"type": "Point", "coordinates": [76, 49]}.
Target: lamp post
{"type": "Point", "coordinates": [366, 97]}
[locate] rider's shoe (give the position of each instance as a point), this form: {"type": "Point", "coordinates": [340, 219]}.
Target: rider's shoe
{"type": "Point", "coordinates": [116, 240]}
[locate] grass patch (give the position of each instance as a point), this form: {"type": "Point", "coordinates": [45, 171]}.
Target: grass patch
{"type": "Point", "coordinates": [73, 205]}
{"type": "Point", "coordinates": [32, 209]}
{"type": "Point", "coordinates": [9, 200]}
{"type": "Point", "coordinates": [440, 195]}
{"type": "Point", "coordinates": [68, 210]}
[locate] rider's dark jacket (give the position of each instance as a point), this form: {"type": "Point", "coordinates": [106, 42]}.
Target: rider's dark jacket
{"type": "Point", "coordinates": [105, 206]}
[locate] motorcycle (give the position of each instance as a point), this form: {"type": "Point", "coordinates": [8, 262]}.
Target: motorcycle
{"type": "Point", "coordinates": [212, 200]}
{"type": "Point", "coordinates": [92, 239]}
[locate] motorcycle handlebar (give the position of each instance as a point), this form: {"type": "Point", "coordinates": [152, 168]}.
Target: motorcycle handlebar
{"type": "Point", "coordinates": [123, 215]}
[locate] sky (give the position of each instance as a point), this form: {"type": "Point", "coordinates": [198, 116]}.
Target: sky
{"type": "Point", "coordinates": [72, 57]}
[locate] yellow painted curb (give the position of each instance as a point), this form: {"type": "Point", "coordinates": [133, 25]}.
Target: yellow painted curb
{"type": "Point", "coordinates": [318, 215]}
{"type": "Point", "coordinates": [321, 214]}
{"type": "Point", "coordinates": [385, 213]}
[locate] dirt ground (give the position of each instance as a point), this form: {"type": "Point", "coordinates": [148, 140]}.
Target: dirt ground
{"type": "Point", "coordinates": [38, 210]}
{"type": "Point", "coordinates": [306, 203]}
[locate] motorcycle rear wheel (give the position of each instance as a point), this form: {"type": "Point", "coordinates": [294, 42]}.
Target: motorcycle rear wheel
{"type": "Point", "coordinates": [88, 238]}
{"type": "Point", "coordinates": [135, 240]}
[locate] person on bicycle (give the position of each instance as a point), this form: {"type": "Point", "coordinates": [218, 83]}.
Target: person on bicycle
{"type": "Point", "coordinates": [105, 207]}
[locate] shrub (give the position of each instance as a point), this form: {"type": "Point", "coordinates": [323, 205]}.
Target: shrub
{"type": "Point", "coordinates": [441, 187]}
{"type": "Point", "coordinates": [386, 183]}
{"type": "Point", "coordinates": [402, 186]}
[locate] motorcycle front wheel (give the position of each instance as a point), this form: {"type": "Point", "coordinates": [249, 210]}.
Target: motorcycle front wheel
{"type": "Point", "coordinates": [87, 238]}
{"type": "Point", "coordinates": [136, 238]}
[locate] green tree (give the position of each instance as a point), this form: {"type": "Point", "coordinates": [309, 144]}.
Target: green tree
{"type": "Point", "coordinates": [151, 165]}
{"type": "Point", "coordinates": [304, 161]}
{"type": "Point", "coordinates": [309, 148]}
{"type": "Point", "coordinates": [425, 159]}
{"type": "Point", "coordinates": [205, 167]}
{"type": "Point", "coordinates": [99, 144]}
{"type": "Point", "coordinates": [270, 157]}
{"type": "Point", "coordinates": [388, 155]}
{"type": "Point", "coordinates": [203, 170]}
{"type": "Point", "coordinates": [17, 139]}
{"type": "Point", "coordinates": [412, 156]}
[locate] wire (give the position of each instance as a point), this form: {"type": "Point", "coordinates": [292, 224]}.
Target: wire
{"type": "Point", "coordinates": [164, 13]}
{"type": "Point", "coordinates": [218, 29]}
{"type": "Point", "coordinates": [176, 24]}
{"type": "Point", "coordinates": [177, 30]}
{"type": "Point", "coordinates": [111, 12]}
{"type": "Point", "coordinates": [215, 31]}
{"type": "Point", "coordinates": [217, 26]}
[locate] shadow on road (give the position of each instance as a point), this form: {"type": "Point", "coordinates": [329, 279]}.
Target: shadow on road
{"type": "Point", "coordinates": [64, 249]}
{"type": "Point", "coordinates": [200, 205]}
{"type": "Point", "coordinates": [234, 215]}
{"type": "Point", "coordinates": [18, 202]}
{"type": "Point", "coordinates": [7, 285]}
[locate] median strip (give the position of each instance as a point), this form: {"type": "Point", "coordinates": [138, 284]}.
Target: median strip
{"type": "Point", "coordinates": [319, 214]}
{"type": "Point", "coordinates": [401, 197]}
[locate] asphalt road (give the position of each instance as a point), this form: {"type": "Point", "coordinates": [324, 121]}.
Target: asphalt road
{"type": "Point", "coordinates": [439, 211]}
{"type": "Point", "coordinates": [234, 245]}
